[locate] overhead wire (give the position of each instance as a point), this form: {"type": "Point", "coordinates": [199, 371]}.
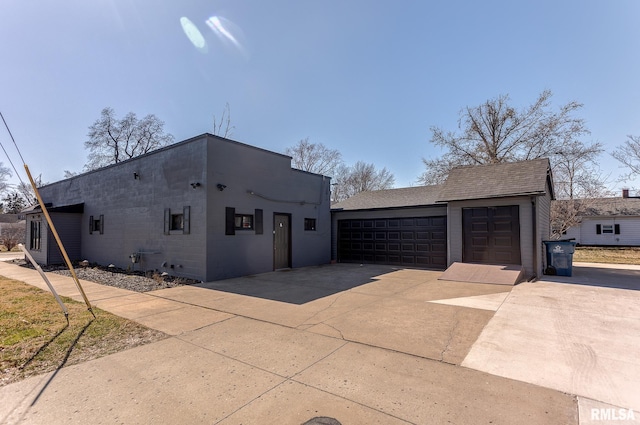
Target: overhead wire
{"type": "Point", "coordinates": [17, 149]}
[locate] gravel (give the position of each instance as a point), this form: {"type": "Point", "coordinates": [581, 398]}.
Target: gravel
{"type": "Point", "coordinates": [133, 281]}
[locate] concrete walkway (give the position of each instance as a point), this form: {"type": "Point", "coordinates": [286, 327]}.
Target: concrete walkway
{"type": "Point", "coordinates": [368, 344]}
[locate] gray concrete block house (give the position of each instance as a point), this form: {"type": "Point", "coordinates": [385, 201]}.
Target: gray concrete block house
{"type": "Point", "coordinates": [206, 208]}
{"type": "Point", "coordinates": [487, 214]}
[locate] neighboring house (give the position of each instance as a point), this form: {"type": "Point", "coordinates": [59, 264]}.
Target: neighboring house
{"type": "Point", "coordinates": [490, 214]}
{"type": "Point", "coordinates": [207, 208]}
{"type": "Point", "coordinates": [608, 222]}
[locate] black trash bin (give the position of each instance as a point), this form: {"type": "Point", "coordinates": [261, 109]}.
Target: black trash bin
{"type": "Point", "coordinates": [559, 257]}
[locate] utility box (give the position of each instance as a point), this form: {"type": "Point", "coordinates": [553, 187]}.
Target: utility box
{"type": "Point", "coordinates": [559, 257]}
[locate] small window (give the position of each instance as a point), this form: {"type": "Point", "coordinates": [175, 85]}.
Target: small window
{"type": "Point", "coordinates": [34, 236]}
{"type": "Point", "coordinates": [96, 224]}
{"type": "Point", "coordinates": [309, 224]}
{"type": "Point", "coordinates": [177, 221]}
{"type": "Point", "coordinates": [243, 222]}
{"type": "Point", "coordinates": [607, 228]}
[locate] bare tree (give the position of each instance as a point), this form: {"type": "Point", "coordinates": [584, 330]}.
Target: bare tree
{"type": "Point", "coordinates": [496, 132]}
{"type": "Point", "coordinates": [314, 157]}
{"type": "Point", "coordinates": [26, 191]}
{"type": "Point", "coordinates": [13, 203]}
{"type": "Point", "coordinates": [361, 177]}
{"type": "Point", "coordinates": [223, 128]}
{"type": "Point", "coordinates": [112, 140]}
{"type": "Point", "coordinates": [12, 234]}
{"type": "Point", "coordinates": [5, 173]}
{"type": "Point", "coordinates": [629, 155]}
{"type": "Point", "coordinates": [575, 171]}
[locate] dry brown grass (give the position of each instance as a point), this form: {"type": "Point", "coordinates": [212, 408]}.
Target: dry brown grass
{"type": "Point", "coordinates": [607, 255]}
{"type": "Point", "coordinates": [36, 338]}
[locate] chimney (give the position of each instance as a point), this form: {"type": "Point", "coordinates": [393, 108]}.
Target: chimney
{"type": "Point", "coordinates": [625, 193]}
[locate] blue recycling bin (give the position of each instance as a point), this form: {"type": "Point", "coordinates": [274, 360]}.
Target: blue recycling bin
{"type": "Point", "coordinates": [559, 257]}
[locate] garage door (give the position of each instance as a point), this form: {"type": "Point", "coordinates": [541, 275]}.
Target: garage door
{"type": "Point", "coordinates": [491, 235]}
{"type": "Point", "coordinates": [417, 242]}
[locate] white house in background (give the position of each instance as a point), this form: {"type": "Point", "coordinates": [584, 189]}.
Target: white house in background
{"type": "Point", "coordinates": [609, 222]}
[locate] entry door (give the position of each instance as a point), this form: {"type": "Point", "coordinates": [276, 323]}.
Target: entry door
{"type": "Point", "coordinates": [491, 235]}
{"type": "Point", "coordinates": [281, 241]}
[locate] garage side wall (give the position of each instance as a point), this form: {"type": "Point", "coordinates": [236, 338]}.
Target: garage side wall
{"type": "Point", "coordinates": [455, 228]}
{"type": "Point", "coordinates": [543, 204]}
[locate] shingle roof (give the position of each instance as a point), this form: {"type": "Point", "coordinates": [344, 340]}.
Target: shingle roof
{"type": "Point", "coordinates": [496, 180]}
{"type": "Point", "coordinates": [609, 206]}
{"type": "Point", "coordinates": [390, 198]}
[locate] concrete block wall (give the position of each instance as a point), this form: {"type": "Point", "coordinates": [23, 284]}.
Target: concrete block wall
{"type": "Point", "coordinates": [132, 197]}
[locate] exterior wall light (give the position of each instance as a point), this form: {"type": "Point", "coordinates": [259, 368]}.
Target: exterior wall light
{"type": "Point", "coordinates": [196, 184]}
{"type": "Point", "coordinates": [220, 187]}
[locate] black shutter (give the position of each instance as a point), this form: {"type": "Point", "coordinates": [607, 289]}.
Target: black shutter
{"type": "Point", "coordinates": [91, 225]}
{"type": "Point", "coordinates": [258, 222]}
{"type": "Point", "coordinates": [598, 229]}
{"type": "Point", "coordinates": [230, 221]}
{"type": "Point", "coordinates": [617, 226]}
{"type": "Point", "coordinates": [101, 224]}
{"type": "Point", "coordinates": [186, 223]}
{"type": "Point", "coordinates": [167, 221]}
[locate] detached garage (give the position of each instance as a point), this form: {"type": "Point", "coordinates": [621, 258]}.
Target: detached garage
{"type": "Point", "coordinates": [401, 227]}
{"type": "Point", "coordinates": [496, 214]}
{"type": "Point", "coordinates": [499, 213]}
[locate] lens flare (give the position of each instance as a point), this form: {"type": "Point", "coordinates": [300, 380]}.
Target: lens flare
{"type": "Point", "coordinates": [227, 32]}
{"type": "Point", "coordinates": [193, 34]}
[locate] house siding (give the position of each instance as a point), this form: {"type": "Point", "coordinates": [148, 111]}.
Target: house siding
{"type": "Point", "coordinates": [455, 228]}
{"type": "Point", "coordinates": [431, 211]}
{"type": "Point", "coordinates": [40, 255]}
{"type": "Point", "coordinates": [586, 234]}
{"type": "Point", "coordinates": [67, 228]}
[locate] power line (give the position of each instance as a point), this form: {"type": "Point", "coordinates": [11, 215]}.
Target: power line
{"type": "Point", "coordinates": [17, 149]}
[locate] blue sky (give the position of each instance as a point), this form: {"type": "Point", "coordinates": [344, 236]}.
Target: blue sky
{"type": "Point", "coordinates": [366, 77]}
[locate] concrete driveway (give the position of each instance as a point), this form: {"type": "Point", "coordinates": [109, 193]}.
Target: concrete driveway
{"type": "Point", "coordinates": [370, 344]}
{"type": "Point", "coordinates": [578, 334]}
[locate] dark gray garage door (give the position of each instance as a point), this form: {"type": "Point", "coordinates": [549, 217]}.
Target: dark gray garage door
{"type": "Point", "coordinates": [417, 242]}
{"type": "Point", "coordinates": [491, 235]}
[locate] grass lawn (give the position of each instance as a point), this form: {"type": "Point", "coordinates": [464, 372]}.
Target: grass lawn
{"type": "Point", "coordinates": [35, 337]}
{"type": "Point", "coordinates": [607, 255]}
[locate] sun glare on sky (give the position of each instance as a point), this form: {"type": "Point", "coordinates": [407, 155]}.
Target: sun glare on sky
{"type": "Point", "coordinates": [193, 34]}
{"type": "Point", "coordinates": [227, 32]}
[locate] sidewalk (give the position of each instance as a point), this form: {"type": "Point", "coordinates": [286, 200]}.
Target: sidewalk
{"type": "Point", "coordinates": [386, 351]}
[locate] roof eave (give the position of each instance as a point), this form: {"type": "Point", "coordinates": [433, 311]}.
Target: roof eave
{"type": "Point", "coordinates": [508, 195]}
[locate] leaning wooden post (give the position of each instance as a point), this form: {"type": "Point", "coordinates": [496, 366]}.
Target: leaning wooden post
{"type": "Point", "coordinates": [58, 240]}
{"type": "Point", "coordinates": [46, 279]}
